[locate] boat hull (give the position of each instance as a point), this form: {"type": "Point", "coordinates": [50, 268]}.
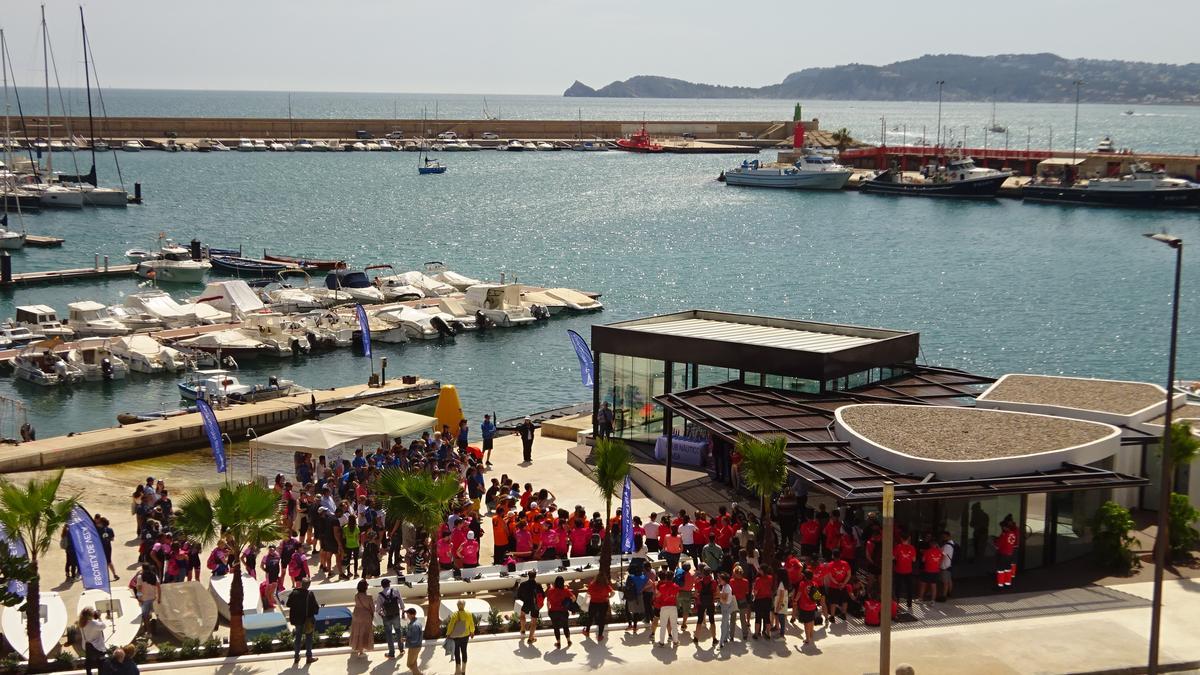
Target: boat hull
{"type": "Point", "coordinates": [178, 275]}
{"type": "Point", "coordinates": [1140, 199]}
{"type": "Point", "coordinates": [305, 263]}
{"type": "Point", "coordinates": [825, 180]}
{"type": "Point", "coordinates": [106, 197]}
{"type": "Point", "coordinates": [12, 622]}
{"type": "Point", "coordinates": [976, 188]}
{"type": "Point", "coordinates": [120, 612]}
{"type": "Point", "coordinates": [248, 267]}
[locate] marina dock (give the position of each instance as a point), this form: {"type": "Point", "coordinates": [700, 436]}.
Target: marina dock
{"type": "Point", "coordinates": [47, 277]}
{"type": "Point", "coordinates": [185, 432]}
{"type": "Point", "coordinates": [41, 241]}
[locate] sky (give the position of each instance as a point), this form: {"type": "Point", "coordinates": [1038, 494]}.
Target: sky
{"type": "Point", "coordinates": [542, 46]}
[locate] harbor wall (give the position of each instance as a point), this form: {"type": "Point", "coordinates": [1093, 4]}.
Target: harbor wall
{"type": "Point", "coordinates": [1024, 162]}
{"type": "Point", "coordinates": [283, 128]}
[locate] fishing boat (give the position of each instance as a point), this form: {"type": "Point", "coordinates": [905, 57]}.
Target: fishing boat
{"type": "Point", "coordinates": [1142, 188]}
{"type": "Point", "coordinates": [960, 179]}
{"type": "Point", "coordinates": [811, 172]}
{"type": "Point", "coordinates": [120, 611]}
{"type": "Point", "coordinates": [355, 283]}
{"type": "Point", "coordinates": [53, 615]}
{"type": "Point", "coordinates": [43, 320]}
{"type": "Point", "coordinates": [639, 141]}
{"type": "Point", "coordinates": [95, 358]}
{"type": "Point", "coordinates": [144, 354]}
{"type": "Point", "coordinates": [38, 364]}
{"type": "Point", "coordinates": [221, 588]}
{"type": "Point", "coordinates": [187, 611]}
{"type": "Point", "coordinates": [247, 267]}
{"type": "Point", "coordinates": [88, 317]}
{"type": "Point", "coordinates": [307, 263]}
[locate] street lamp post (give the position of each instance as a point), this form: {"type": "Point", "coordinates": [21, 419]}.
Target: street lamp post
{"type": "Point", "coordinates": [940, 84]}
{"type": "Point", "coordinates": [885, 580]}
{"type": "Point", "coordinates": [1164, 489]}
{"type": "Point", "coordinates": [1075, 138]}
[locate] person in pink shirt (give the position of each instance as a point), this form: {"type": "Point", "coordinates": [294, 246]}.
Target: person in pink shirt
{"type": "Point", "coordinates": [445, 552]}
{"type": "Point", "coordinates": [580, 534]}
{"type": "Point", "coordinates": [522, 543]}
{"type": "Point", "coordinates": [549, 546]}
{"type": "Point", "coordinates": [469, 552]}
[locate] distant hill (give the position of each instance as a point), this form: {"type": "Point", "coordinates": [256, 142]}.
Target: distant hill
{"type": "Point", "coordinates": [1006, 77]}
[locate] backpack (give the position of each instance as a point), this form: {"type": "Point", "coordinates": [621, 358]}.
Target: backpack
{"type": "Point", "coordinates": [630, 587]}
{"type": "Point", "coordinates": [391, 604]}
{"type": "Point", "coordinates": [953, 556]}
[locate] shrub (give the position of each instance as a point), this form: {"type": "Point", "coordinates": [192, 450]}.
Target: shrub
{"type": "Point", "coordinates": [261, 644]}
{"type": "Point", "coordinates": [286, 638]}
{"type": "Point", "coordinates": [513, 624]}
{"type": "Point", "coordinates": [1181, 536]}
{"type": "Point", "coordinates": [495, 621]}
{"type": "Point", "coordinates": [379, 635]}
{"type": "Point", "coordinates": [141, 647]}
{"type": "Point", "coordinates": [213, 647]}
{"type": "Point", "coordinates": [168, 653]}
{"type": "Point", "coordinates": [189, 649]}
{"type": "Point", "coordinates": [64, 661]}
{"type": "Point", "coordinates": [1111, 542]}
{"type": "Point", "coordinates": [334, 635]}
{"type": "Point", "coordinates": [11, 663]}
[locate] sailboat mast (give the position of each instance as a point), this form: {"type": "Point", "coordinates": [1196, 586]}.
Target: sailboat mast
{"type": "Point", "coordinates": [87, 81]}
{"type": "Point", "coordinates": [46, 71]}
{"type": "Point", "coordinates": [7, 135]}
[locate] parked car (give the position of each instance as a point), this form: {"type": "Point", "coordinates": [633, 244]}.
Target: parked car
{"type": "Point", "coordinates": [688, 134]}
{"type": "Point", "coordinates": [395, 135]}
{"type": "Point", "coordinates": [489, 136]}
{"type": "Point", "coordinates": [744, 136]}
{"type": "Point", "coordinates": [447, 136]}
{"type": "Point", "coordinates": [363, 135]}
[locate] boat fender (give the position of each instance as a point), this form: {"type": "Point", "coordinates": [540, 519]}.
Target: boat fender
{"type": "Point", "coordinates": [444, 329]}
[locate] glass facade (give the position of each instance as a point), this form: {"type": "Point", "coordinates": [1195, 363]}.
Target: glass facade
{"type": "Point", "coordinates": [629, 384]}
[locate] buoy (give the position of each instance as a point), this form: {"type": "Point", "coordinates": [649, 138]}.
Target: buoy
{"type": "Point", "coordinates": [449, 408]}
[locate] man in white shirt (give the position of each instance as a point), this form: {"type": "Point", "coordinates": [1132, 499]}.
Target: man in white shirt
{"type": "Point", "coordinates": [687, 537]}
{"type": "Point", "coordinates": [389, 605]}
{"type": "Point", "coordinates": [651, 530]}
{"type": "Point", "coordinates": [947, 563]}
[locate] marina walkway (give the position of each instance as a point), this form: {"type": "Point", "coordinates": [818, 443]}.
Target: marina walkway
{"type": "Point", "coordinates": [1063, 640]}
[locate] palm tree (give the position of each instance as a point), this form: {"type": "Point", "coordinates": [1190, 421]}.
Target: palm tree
{"type": "Point", "coordinates": [243, 514]}
{"type": "Point", "coordinates": [34, 514]}
{"type": "Point", "coordinates": [611, 466]}
{"type": "Point", "coordinates": [425, 502]}
{"type": "Point", "coordinates": [843, 139]}
{"type": "Point", "coordinates": [763, 471]}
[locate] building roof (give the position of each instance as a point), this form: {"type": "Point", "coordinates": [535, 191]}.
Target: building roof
{"type": "Point", "coordinates": [1112, 401]}
{"type": "Point", "coordinates": [805, 349]}
{"type": "Point", "coordinates": [831, 465]}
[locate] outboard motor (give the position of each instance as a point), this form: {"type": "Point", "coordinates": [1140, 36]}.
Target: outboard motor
{"type": "Point", "coordinates": [106, 368]}
{"type": "Point", "coordinates": [481, 320]}
{"type": "Point", "coordinates": [273, 382]}
{"type": "Point", "coordinates": [540, 312]}
{"type": "Point", "coordinates": [444, 329]}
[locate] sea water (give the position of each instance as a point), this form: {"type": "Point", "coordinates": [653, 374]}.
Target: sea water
{"type": "Point", "coordinates": [993, 287]}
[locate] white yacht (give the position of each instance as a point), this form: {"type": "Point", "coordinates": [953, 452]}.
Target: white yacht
{"type": "Point", "coordinates": [87, 317]}
{"type": "Point", "coordinates": [810, 172]}
{"type": "Point", "coordinates": [230, 342]}
{"type": "Point", "coordinates": [439, 272]}
{"type": "Point", "coordinates": [144, 354]}
{"type": "Point", "coordinates": [39, 365]}
{"type": "Point", "coordinates": [282, 336]}
{"type": "Point", "coordinates": [245, 145]}
{"type": "Point", "coordinates": [160, 305]}
{"type": "Point", "coordinates": [18, 335]}
{"type": "Point", "coordinates": [95, 359]}
{"type": "Point", "coordinates": [501, 304]}
{"type": "Point", "coordinates": [42, 319]}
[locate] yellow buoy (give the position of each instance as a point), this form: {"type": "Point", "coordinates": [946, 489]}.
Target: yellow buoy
{"type": "Point", "coordinates": [449, 409]}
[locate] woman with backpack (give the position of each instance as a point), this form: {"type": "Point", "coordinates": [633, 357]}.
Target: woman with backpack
{"type": "Point", "coordinates": [635, 582]}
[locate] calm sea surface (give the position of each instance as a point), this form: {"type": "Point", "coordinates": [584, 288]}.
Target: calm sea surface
{"type": "Point", "coordinates": [993, 287]}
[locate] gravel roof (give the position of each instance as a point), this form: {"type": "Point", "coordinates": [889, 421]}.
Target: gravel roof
{"type": "Point", "coordinates": [948, 433]}
{"type": "Point", "coordinates": [1187, 412]}
{"type": "Point", "coordinates": [1120, 398]}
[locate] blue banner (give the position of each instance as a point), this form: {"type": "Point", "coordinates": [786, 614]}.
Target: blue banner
{"type": "Point", "coordinates": [93, 564]}
{"type": "Point", "coordinates": [17, 550]}
{"type": "Point", "coordinates": [585, 358]}
{"type": "Point", "coordinates": [364, 329]}
{"type": "Point", "coordinates": [213, 431]}
{"type": "Point", "coordinates": [627, 517]}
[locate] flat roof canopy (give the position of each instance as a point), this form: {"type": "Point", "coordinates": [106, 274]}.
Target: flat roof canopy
{"type": "Point", "coordinates": [831, 465]}
{"type": "Point", "coordinates": [805, 349]}
{"type": "Point", "coordinates": [1112, 401]}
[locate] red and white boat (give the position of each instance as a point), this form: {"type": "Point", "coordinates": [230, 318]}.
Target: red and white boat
{"type": "Point", "coordinates": [639, 141]}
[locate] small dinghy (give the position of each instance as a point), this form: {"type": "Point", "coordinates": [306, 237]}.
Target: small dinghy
{"type": "Point", "coordinates": [54, 623]}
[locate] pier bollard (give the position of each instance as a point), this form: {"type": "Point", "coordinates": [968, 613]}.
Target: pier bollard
{"type": "Point", "coordinates": [96, 262]}
{"type": "Point", "coordinates": [6, 268]}
{"type": "Point", "coordinates": [105, 263]}
{"type": "Point", "coordinates": [137, 193]}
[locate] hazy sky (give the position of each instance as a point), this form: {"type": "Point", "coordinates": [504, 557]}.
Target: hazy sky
{"type": "Point", "coordinates": [541, 46]}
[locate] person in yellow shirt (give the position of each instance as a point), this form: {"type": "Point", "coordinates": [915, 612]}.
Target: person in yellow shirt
{"type": "Point", "coordinates": [460, 629]}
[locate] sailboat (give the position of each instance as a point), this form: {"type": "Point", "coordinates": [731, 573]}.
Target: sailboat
{"type": "Point", "coordinates": [996, 128]}
{"type": "Point", "coordinates": [8, 238]}
{"type": "Point", "coordinates": [93, 194]}
{"type": "Point", "coordinates": [587, 146]}
{"type": "Point", "coordinates": [425, 165]}
{"type": "Point", "coordinates": [51, 194]}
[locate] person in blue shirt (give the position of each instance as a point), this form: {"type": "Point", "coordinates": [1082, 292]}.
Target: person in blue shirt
{"type": "Point", "coordinates": [488, 428]}
{"type": "Point", "coordinates": [359, 462]}
{"type": "Point", "coordinates": [464, 436]}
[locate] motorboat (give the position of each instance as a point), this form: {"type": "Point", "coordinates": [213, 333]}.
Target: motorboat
{"type": "Point", "coordinates": [10, 240]}
{"type": "Point", "coordinates": [135, 319]}
{"type": "Point", "coordinates": [38, 363]}
{"type": "Point", "coordinates": [423, 282]}
{"type": "Point", "coordinates": [282, 336]}
{"type": "Point", "coordinates": [1105, 146]}
{"type": "Point", "coordinates": [501, 304]}
{"type": "Point", "coordinates": [120, 611]}
{"type": "Point", "coordinates": [589, 146]}
{"type": "Point", "coordinates": [385, 146]}
{"type": "Point", "coordinates": [231, 342]}
{"type": "Point", "coordinates": [94, 358]}
{"type": "Point", "coordinates": [132, 146]}
{"type": "Point", "coordinates": [420, 324]}
{"type": "Point", "coordinates": [166, 247]}
{"type": "Point", "coordinates": [542, 300]}
{"type": "Point", "coordinates": [144, 354]}
{"type": "Point", "coordinates": [276, 146]}
{"type": "Point", "coordinates": [453, 311]}
{"type": "Point", "coordinates": [247, 267]}
{"type": "Point", "coordinates": [234, 297]}
{"type": "Point", "coordinates": [53, 616]}
{"type": "Point", "coordinates": [383, 329]}
{"type": "Point", "coordinates": [1144, 187]}
{"type": "Point", "coordinates": [959, 179]}
{"type": "Point", "coordinates": [639, 141]}
{"type": "Point", "coordinates": [18, 335]}
{"type": "Point", "coordinates": [170, 146]}
{"type": "Point", "coordinates": [42, 320]}
{"type": "Point", "coordinates": [212, 145]}
{"type": "Point", "coordinates": [328, 329]}
{"type": "Point", "coordinates": [574, 300]}
{"type": "Point", "coordinates": [543, 145]}
{"type": "Point", "coordinates": [530, 145]}
{"type": "Point", "coordinates": [160, 305]}
{"type": "Point", "coordinates": [394, 289]}
{"type": "Point", "coordinates": [356, 284]}
{"type": "Point", "coordinates": [321, 146]}
{"type": "Point", "coordinates": [303, 145]}
{"type": "Point", "coordinates": [101, 145]}
{"type": "Point", "coordinates": [372, 146]}
{"type": "Point", "coordinates": [307, 263]}
{"type": "Point", "coordinates": [219, 383]}
{"type": "Point", "coordinates": [358, 146]}
{"type": "Point", "coordinates": [288, 299]}
{"type": "Point", "coordinates": [178, 270]}
{"type": "Point", "coordinates": [88, 317]}
{"type": "Point", "coordinates": [513, 145]}
{"type": "Point", "coordinates": [812, 172]}
{"type": "Point", "coordinates": [245, 145]}
{"type": "Point", "coordinates": [458, 281]}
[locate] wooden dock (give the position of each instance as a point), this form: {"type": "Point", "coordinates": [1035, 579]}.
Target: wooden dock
{"type": "Point", "coordinates": [47, 277]}
{"type": "Point", "coordinates": [41, 241]}
{"type": "Point", "coordinates": [185, 432]}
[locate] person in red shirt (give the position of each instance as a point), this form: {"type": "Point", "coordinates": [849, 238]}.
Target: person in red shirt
{"type": "Point", "coordinates": [723, 535]}
{"type": "Point", "coordinates": [904, 556]}
{"type": "Point", "coordinates": [848, 547]}
{"type": "Point", "coordinates": [833, 533]}
{"type": "Point", "coordinates": [741, 595]}
{"type": "Point", "coordinates": [1006, 551]}
{"type": "Point", "coordinates": [599, 592]}
{"type": "Point", "coordinates": [665, 597]}
{"type": "Point", "coordinates": [559, 600]}
{"type": "Point", "coordinates": [837, 581]}
{"type": "Point", "coordinates": [763, 591]}
{"type": "Point", "coordinates": [804, 604]}
{"type": "Point", "coordinates": [810, 538]}
{"type": "Point", "coordinates": [931, 570]}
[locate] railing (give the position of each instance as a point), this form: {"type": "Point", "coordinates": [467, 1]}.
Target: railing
{"type": "Point", "coordinates": [943, 151]}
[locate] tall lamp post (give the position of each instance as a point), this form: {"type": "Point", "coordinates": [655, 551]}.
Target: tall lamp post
{"type": "Point", "coordinates": [885, 580]}
{"type": "Point", "coordinates": [1164, 489]}
{"type": "Point", "coordinates": [940, 84]}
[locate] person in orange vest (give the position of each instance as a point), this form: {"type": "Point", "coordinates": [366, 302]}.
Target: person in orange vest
{"type": "Point", "coordinates": [1006, 552]}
